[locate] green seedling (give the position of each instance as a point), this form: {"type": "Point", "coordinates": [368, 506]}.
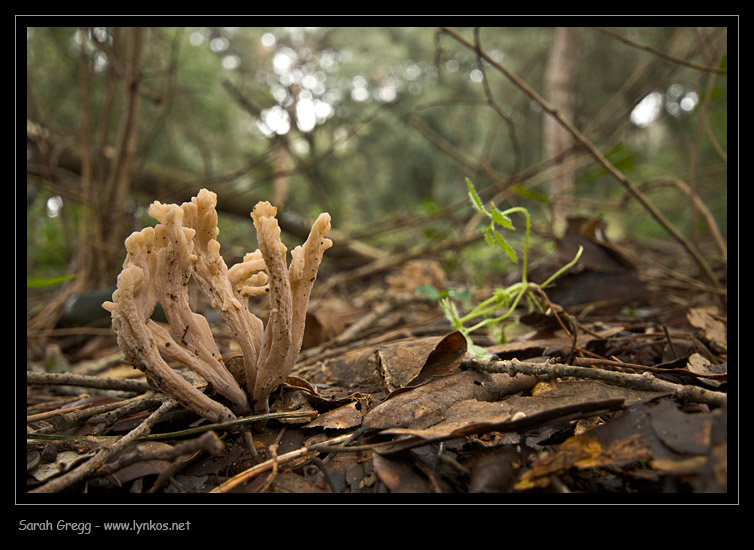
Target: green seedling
{"type": "Point", "coordinates": [485, 313]}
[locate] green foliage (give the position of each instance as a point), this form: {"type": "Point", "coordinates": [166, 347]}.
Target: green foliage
{"type": "Point", "coordinates": [508, 298]}
{"type": "Point", "coordinates": [44, 282]}
{"type": "Point", "coordinates": [47, 247]}
{"type": "Point", "coordinates": [491, 234]}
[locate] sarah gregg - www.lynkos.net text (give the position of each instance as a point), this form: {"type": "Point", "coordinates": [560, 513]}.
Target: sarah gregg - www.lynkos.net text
{"type": "Point", "coordinates": [85, 528]}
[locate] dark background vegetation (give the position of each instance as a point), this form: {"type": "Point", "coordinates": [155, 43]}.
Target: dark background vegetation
{"type": "Point", "coordinates": [378, 126]}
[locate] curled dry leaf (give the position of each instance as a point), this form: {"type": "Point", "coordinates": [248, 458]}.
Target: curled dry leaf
{"type": "Point", "coordinates": [416, 361]}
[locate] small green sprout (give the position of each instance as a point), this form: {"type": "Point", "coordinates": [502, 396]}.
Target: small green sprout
{"type": "Point", "coordinates": [508, 298]}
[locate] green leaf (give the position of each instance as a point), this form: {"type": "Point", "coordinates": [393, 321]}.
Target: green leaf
{"type": "Point", "coordinates": [451, 313]}
{"type": "Point", "coordinates": [462, 295]}
{"type": "Point", "coordinates": [501, 219]}
{"type": "Point", "coordinates": [42, 282]}
{"type": "Point", "coordinates": [475, 200]}
{"type": "Point", "coordinates": [477, 351]}
{"type": "Point", "coordinates": [488, 236]}
{"type": "Point", "coordinates": [429, 291]}
{"type": "Point", "coordinates": [502, 244]}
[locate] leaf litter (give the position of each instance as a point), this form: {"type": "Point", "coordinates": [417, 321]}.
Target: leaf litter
{"type": "Point", "coordinates": [408, 413]}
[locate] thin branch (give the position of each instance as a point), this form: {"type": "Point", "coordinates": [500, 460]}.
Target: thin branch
{"type": "Point", "coordinates": [442, 144]}
{"type": "Point", "coordinates": [108, 413]}
{"type": "Point", "coordinates": [644, 382]}
{"type": "Point", "coordinates": [274, 462]}
{"type": "Point", "coordinates": [383, 264]}
{"type": "Point", "coordinates": [99, 382]}
{"type": "Point", "coordinates": [109, 417]}
{"type": "Point", "coordinates": [700, 207]}
{"type": "Point", "coordinates": [659, 53]}
{"type": "Point", "coordinates": [207, 442]}
{"type": "Point", "coordinates": [238, 422]}
{"type": "Point", "coordinates": [496, 107]}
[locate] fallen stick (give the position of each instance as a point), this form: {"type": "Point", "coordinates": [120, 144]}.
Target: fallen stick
{"type": "Point", "coordinates": [644, 381]}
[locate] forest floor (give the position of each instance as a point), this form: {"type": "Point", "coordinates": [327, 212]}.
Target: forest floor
{"type": "Point", "coordinates": [606, 395]}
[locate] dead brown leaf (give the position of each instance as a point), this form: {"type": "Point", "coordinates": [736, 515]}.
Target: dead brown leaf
{"type": "Point", "coordinates": [399, 476]}
{"type": "Point", "coordinates": [345, 416]}
{"type": "Point", "coordinates": [506, 422]}
{"type": "Point", "coordinates": [427, 404]}
{"type": "Point", "coordinates": [711, 329]}
{"type": "Point", "coordinates": [412, 362]}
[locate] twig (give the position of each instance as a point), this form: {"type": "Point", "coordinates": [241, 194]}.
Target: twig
{"type": "Point", "coordinates": [246, 475]}
{"type": "Point", "coordinates": [390, 262]}
{"type": "Point", "coordinates": [517, 155]}
{"type": "Point", "coordinates": [169, 472]}
{"type": "Point", "coordinates": [273, 474]}
{"type": "Point", "coordinates": [698, 205]}
{"type": "Point", "coordinates": [48, 414]}
{"type": "Point", "coordinates": [671, 345]}
{"type": "Point", "coordinates": [189, 431]}
{"type": "Point", "coordinates": [591, 361]}
{"type": "Point", "coordinates": [90, 467]}
{"type": "Point", "coordinates": [390, 304]}
{"type": "Point", "coordinates": [659, 53]}
{"type": "Point", "coordinates": [207, 442]}
{"type": "Point", "coordinates": [645, 381]}
{"type": "Point", "coordinates": [87, 381]}
{"type": "Point", "coordinates": [109, 413]}
{"type": "Point", "coordinates": [130, 406]}
{"type": "Point", "coordinates": [445, 146]}
{"type": "Point", "coordinates": [233, 423]}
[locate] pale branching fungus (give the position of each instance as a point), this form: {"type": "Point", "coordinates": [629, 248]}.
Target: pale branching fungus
{"type": "Point", "coordinates": [159, 265]}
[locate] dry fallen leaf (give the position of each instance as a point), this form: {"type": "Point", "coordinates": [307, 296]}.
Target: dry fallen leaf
{"type": "Point", "coordinates": [409, 363]}
{"type": "Point", "coordinates": [343, 417]}
{"type": "Point", "coordinates": [711, 330]}
{"type": "Point", "coordinates": [399, 476]}
{"type": "Point", "coordinates": [427, 404]}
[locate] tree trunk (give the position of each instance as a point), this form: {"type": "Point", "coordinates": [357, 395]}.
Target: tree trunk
{"type": "Point", "coordinates": [557, 141]}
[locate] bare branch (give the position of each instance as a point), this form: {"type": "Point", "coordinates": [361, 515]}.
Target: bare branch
{"type": "Point", "coordinates": [659, 53]}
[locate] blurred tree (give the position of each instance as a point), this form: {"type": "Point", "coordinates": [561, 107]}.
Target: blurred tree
{"type": "Point", "coordinates": [376, 125]}
{"type": "Point", "coordinates": [105, 178]}
{"type": "Point", "coordinates": [561, 63]}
